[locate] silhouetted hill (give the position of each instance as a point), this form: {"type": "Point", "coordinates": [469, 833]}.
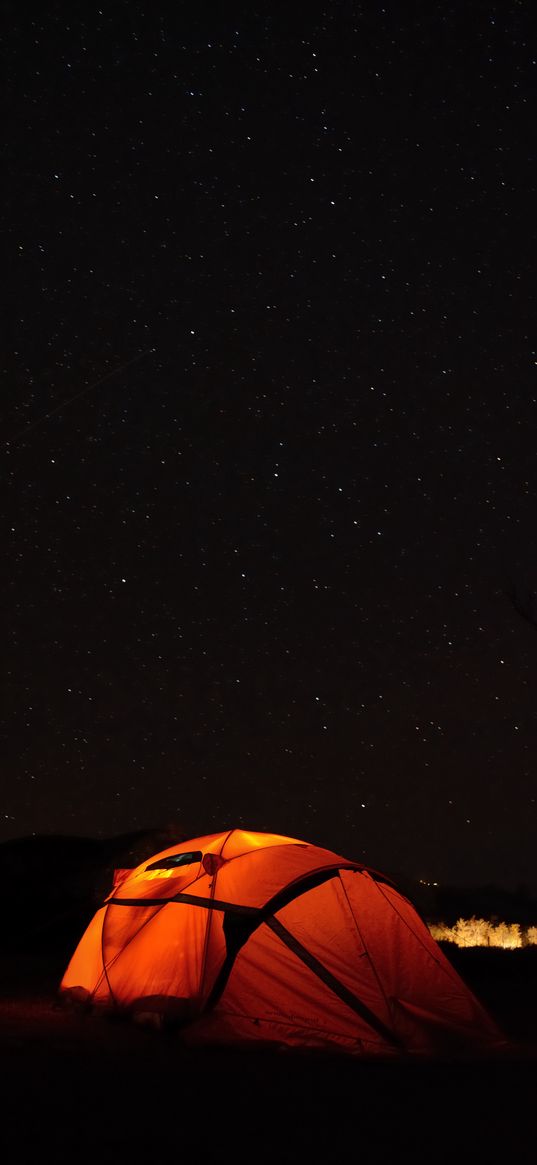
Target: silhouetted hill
{"type": "Point", "coordinates": [54, 884]}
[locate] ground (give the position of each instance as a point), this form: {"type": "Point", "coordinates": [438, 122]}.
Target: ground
{"type": "Point", "coordinates": [76, 1087]}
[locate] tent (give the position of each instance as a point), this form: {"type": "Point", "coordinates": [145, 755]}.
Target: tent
{"type": "Point", "coordinates": [252, 937]}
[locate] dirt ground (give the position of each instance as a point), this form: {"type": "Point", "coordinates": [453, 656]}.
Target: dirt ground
{"type": "Point", "coordinates": [87, 1089]}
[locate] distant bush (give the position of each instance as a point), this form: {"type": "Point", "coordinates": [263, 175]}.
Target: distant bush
{"type": "Point", "coordinates": [480, 932]}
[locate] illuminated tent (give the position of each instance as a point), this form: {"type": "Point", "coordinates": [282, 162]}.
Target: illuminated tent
{"type": "Point", "coordinates": [240, 937]}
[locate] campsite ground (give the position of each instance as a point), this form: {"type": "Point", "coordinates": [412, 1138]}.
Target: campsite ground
{"type": "Point", "coordinates": [96, 1090]}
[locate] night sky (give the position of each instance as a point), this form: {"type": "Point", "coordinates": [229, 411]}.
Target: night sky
{"type": "Point", "coordinates": [269, 417]}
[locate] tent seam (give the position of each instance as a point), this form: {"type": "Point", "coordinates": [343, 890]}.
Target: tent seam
{"type": "Point", "coordinates": [367, 954]}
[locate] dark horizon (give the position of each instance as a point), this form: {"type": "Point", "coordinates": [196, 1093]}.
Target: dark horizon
{"type": "Point", "coordinates": [138, 843]}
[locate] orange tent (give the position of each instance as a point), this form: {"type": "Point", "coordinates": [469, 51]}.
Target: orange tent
{"type": "Point", "coordinates": [243, 937]}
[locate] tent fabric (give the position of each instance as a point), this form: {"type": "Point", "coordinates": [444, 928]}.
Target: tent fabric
{"type": "Point", "coordinates": [246, 937]}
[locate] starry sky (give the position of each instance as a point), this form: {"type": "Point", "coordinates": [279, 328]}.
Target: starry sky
{"type": "Point", "coordinates": [269, 426]}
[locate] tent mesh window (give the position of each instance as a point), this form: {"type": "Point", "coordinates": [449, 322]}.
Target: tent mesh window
{"type": "Point", "coordinates": [174, 860]}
